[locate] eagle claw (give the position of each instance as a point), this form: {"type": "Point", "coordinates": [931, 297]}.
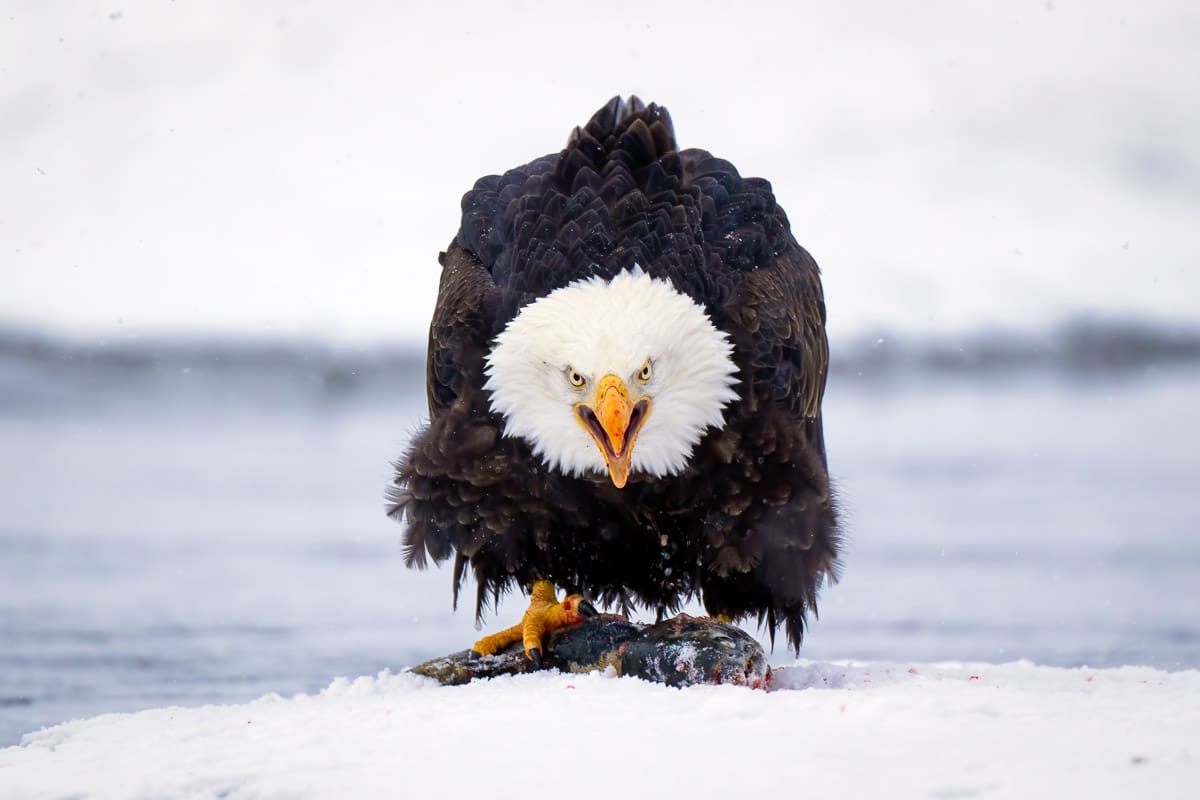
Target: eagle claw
{"type": "Point", "coordinates": [545, 614]}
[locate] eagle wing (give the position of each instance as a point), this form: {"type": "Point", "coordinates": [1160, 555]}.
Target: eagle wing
{"type": "Point", "coordinates": [787, 547]}
{"type": "Point", "coordinates": [460, 329]}
{"type": "Point", "coordinates": [782, 309]}
{"type": "Point", "coordinates": [460, 430]}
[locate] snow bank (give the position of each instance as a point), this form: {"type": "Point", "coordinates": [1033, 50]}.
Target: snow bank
{"type": "Point", "coordinates": [860, 730]}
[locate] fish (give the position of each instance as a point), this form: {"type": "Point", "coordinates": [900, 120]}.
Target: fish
{"type": "Point", "coordinates": [680, 651]}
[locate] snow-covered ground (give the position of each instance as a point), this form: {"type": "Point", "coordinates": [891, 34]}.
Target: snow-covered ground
{"type": "Point", "coordinates": [831, 730]}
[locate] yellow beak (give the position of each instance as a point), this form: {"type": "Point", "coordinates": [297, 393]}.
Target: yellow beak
{"type": "Point", "coordinates": [614, 423]}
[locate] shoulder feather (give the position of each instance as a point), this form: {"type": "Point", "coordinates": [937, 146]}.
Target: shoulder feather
{"type": "Point", "coordinates": [782, 307]}
{"type": "Point", "coordinates": [460, 329]}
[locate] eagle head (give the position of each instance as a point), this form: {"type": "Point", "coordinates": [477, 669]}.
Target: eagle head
{"type": "Point", "coordinates": [612, 376]}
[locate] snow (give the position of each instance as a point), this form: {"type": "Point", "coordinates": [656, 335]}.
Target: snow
{"type": "Point", "coordinates": [252, 167]}
{"type": "Point", "coordinates": [855, 729]}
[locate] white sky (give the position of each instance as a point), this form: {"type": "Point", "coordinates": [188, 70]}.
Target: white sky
{"type": "Point", "coordinates": [294, 168]}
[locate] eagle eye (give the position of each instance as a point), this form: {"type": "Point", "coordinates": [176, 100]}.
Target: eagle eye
{"type": "Point", "coordinates": [644, 373]}
{"type": "Point", "coordinates": [575, 378]}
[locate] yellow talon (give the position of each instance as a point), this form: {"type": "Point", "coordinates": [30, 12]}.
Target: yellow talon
{"type": "Point", "coordinates": [545, 614]}
{"type": "Point", "coordinates": [497, 641]}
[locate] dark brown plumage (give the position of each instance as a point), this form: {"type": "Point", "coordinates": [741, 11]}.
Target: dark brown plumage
{"type": "Point", "coordinates": [749, 524]}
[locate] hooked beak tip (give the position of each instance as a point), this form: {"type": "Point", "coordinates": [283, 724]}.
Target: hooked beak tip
{"type": "Point", "coordinates": [615, 441]}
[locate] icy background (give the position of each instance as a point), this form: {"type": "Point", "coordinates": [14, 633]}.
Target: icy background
{"type": "Point", "coordinates": [218, 225]}
{"type": "Point", "coordinates": [296, 166]}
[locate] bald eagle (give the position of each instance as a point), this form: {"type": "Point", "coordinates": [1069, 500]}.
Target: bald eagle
{"type": "Point", "coordinates": [625, 373]}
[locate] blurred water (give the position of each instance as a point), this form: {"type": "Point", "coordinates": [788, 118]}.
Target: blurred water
{"type": "Point", "coordinates": [191, 537]}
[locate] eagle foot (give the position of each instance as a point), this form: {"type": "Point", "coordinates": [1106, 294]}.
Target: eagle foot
{"type": "Point", "coordinates": [545, 613]}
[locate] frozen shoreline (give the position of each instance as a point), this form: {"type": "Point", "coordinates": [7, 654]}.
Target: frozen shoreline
{"type": "Point", "coordinates": [860, 729]}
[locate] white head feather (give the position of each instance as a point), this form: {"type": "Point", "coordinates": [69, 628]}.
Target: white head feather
{"type": "Point", "coordinates": [596, 327]}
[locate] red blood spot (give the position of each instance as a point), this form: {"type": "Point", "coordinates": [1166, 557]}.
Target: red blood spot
{"type": "Point", "coordinates": [1090, 677]}
{"type": "Point", "coordinates": [842, 708]}
{"type": "Point", "coordinates": [973, 678]}
{"type": "Point", "coordinates": [570, 686]}
{"type": "Point", "coordinates": [913, 670]}
{"type": "Point", "coordinates": [567, 605]}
